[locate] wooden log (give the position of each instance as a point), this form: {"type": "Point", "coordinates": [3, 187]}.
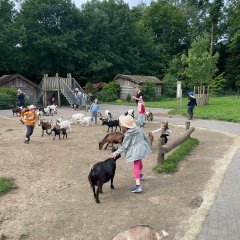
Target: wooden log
{"type": "Point", "coordinates": [169, 146]}
{"type": "Point", "coordinates": [160, 158]}
{"type": "Point", "coordinates": [187, 125]}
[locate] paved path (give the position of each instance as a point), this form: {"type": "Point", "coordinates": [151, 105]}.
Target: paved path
{"type": "Point", "coordinates": [223, 219]}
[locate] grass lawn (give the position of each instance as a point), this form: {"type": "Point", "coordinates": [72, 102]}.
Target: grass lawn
{"type": "Point", "coordinates": [170, 164]}
{"type": "Point", "coordinates": [219, 108]}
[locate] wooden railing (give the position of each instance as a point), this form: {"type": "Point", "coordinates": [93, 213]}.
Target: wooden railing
{"type": "Point", "coordinates": [165, 148]}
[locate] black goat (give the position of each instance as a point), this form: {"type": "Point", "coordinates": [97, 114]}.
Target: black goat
{"type": "Point", "coordinates": [58, 132]}
{"type": "Point", "coordinates": [111, 124]}
{"type": "Point", "coordinates": [101, 173]}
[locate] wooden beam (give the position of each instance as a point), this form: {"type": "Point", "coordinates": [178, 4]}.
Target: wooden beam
{"type": "Point", "coordinates": [160, 157]}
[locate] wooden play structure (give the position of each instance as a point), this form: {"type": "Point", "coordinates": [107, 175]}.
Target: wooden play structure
{"type": "Point", "coordinates": [202, 95]}
{"type": "Point", "coordinates": [54, 86]}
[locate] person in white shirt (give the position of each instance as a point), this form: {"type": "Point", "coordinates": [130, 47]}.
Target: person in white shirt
{"type": "Point", "coordinates": [164, 130]}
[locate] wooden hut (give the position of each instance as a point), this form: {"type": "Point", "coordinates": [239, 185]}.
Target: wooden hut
{"type": "Point", "coordinates": [18, 81]}
{"type": "Point", "coordinates": [128, 82]}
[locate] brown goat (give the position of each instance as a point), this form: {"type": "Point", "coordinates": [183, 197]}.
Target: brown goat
{"type": "Point", "coordinates": [45, 127]}
{"type": "Point", "coordinates": [115, 137]}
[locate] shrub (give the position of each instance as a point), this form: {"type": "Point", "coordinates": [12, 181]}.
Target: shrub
{"type": "Point", "coordinates": [119, 101]}
{"type": "Point", "coordinates": [5, 101]}
{"type": "Point", "coordinates": [11, 92]}
{"type": "Point", "coordinates": [110, 92]}
{"type": "Point", "coordinates": [148, 90]}
{"type": "Point", "coordinates": [128, 98]}
{"type": "Point", "coordinates": [89, 88]}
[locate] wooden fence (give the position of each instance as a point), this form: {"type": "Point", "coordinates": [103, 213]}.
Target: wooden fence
{"type": "Point", "coordinates": [165, 148]}
{"type": "Point", "coordinates": [202, 95]}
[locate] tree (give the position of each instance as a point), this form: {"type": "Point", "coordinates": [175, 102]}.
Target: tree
{"type": "Point", "coordinates": [233, 47]}
{"type": "Point", "coordinates": [215, 13]}
{"type": "Point", "coordinates": [201, 66]}
{"type": "Point", "coordinates": [7, 36]}
{"type": "Point", "coordinates": [49, 37]}
{"type": "Point", "coordinates": [175, 73]}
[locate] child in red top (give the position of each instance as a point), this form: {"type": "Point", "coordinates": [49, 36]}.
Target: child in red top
{"type": "Point", "coordinates": [141, 113]}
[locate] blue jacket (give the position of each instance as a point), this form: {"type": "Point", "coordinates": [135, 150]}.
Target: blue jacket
{"type": "Point", "coordinates": [135, 144]}
{"type": "Point", "coordinates": [94, 107]}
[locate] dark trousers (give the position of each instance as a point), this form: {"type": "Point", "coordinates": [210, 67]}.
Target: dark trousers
{"type": "Point", "coordinates": [190, 112]}
{"type": "Point", "coordinates": [29, 132]}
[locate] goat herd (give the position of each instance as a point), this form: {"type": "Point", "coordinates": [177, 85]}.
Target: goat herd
{"type": "Point", "coordinates": [101, 172]}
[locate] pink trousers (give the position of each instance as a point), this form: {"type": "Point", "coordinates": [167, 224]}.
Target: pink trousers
{"type": "Point", "coordinates": [137, 166]}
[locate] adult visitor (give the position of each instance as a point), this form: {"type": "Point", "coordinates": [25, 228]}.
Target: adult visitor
{"type": "Point", "coordinates": [20, 98]}
{"type": "Point", "coordinates": [139, 94]}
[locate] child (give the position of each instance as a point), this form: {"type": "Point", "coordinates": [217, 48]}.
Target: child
{"type": "Point", "coordinates": [31, 119]}
{"type": "Point", "coordinates": [165, 131]}
{"type": "Point", "coordinates": [191, 104]}
{"type": "Point", "coordinates": [136, 146]}
{"type": "Point", "coordinates": [141, 113]}
{"type": "Point", "coordinates": [94, 108]}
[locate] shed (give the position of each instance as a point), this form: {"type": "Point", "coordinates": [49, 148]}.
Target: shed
{"type": "Point", "coordinates": [18, 81]}
{"type": "Point", "coordinates": [128, 82]}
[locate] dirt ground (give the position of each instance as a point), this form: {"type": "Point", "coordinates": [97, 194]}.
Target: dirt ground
{"type": "Point", "coordinates": [54, 200]}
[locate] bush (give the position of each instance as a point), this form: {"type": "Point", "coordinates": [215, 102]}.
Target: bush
{"type": "Point", "coordinates": [128, 98]}
{"type": "Point", "coordinates": [89, 88]}
{"type": "Point", "coordinates": [119, 101]}
{"type": "Point", "coordinates": [5, 101]}
{"type": "Point", "coordinates": [148, 90]}
{"type": "Point", "coordinates": [11, 92]}
{"type": "Point", "coordinates": [110, 92]}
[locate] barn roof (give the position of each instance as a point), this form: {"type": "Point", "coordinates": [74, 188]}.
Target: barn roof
{"type": "Point", "coordinates": [7, 78]}
{"type": "Point", "coordinates": [139, 79]}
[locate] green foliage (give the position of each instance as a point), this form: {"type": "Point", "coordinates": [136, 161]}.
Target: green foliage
{"type": "Point", "coordinates": [175, 73]}
{"type": "Point", "coordinates": [5, 101]}
{"type": "Point", "coordinates": [6, 185]}
{"type": "Point", "coordinates": [89, 88]}
{"type": "Point", "coordinates": [148, 90]}
{"type": "Point", "coordinates": [11, 92]}
{"type": "Point", "coordinates": [119, 101]}
{"type": "Point", "coordinates": [128, 98]}
{"type": "Point", "coordinates": [217, 85]}
{"type": "Point", "coordinates": [170, 164]}
{"type": "Point", "coordinates": [201, 66]}
{"type": "Point", "coordinates": [110, 92]}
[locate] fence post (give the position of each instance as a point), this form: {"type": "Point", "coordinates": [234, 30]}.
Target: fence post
{"type": "Point", "coordinates": [160, 158]}
{"type": "Point", "coordinates": [187, 125]}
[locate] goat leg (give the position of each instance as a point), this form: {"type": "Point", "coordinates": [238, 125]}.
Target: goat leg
{"type": "Point", "coordinates": [59, 136]}
{"type": "Point", "coordinates": [112, 187]}
{"type": "Point", "coordinates": [98, 191]}
{"type": "Point", "coordinates": [42, 132]}
{"type": "Point", "coordinates": [116, 129]}
{"type": "Point", "coordinates": [54, 137]}
{"type": "Point", "coordinates": [106, 146]}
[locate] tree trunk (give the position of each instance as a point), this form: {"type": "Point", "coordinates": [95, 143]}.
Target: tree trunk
{"type": "Point", "coordinates": [212, 40]}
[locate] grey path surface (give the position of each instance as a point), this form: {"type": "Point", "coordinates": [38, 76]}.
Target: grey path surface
{"type": "Point", "coordinates": [223, 219]}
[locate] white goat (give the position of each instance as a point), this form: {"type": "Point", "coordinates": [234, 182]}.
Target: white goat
{"type": "Point", "coordinates": [66, 124]}
{"type": "Point", "coordinates": [108, 114]}
{"type": "Point", "coordinates": [52, 109]}
{"type": "Point", "coordinates": [59, 121]}
{"type": "Point", "coordinates": [47, 111]}
{"type": "Point", "coordinates": [87, 120]}
{"type": "Point", "coordinates": [77, 117]}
